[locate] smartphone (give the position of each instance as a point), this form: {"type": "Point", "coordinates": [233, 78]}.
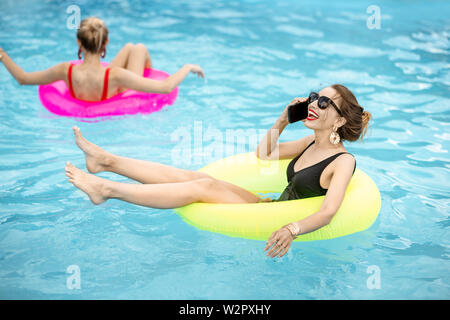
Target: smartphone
{"type": "Point", "coordinates": [298, 111]}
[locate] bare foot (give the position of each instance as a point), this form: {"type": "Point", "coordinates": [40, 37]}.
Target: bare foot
{"type": "Point", "coordinates": [92, 185]}
{"type": "Point", "coordinates": [97, 159]}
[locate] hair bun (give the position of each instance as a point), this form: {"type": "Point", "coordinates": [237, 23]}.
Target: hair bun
{"type": "Point", "coordinates": [92, 34]}
{"type": "Point", "coordinates": [95, 27]}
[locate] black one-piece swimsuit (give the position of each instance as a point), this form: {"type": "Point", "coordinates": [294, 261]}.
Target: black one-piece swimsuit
{"type": "Point", "coordinates": [306, 182]}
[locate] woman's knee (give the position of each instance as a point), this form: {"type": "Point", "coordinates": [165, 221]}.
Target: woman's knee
{"type": "Point", "coordinates": [140, 47]}
{"type": "Point", "coordinates": [205, 186]}
{"type": "Point", "coordinates": [199, 175]}
{"type": "Point", "coordinates": [211, 190]}
{"type": "Point", "coordinates": [206, 182]}
{"type": "Point", "coordinates": [129, 46]}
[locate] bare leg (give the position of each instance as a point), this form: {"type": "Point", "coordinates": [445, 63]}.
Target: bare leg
{"type": "Point", "coordinates": [98, 159]}
{"type": "Point", "coordinates": [164, 196]}
{"type": "Point", "coordinates": [147, 172]}
{"type": "Point", "coordinates": [121, 59]}
{"type": "Point", "coordinates": [133, 57]}
{"type": "Point", "coordinates": [139, 59]}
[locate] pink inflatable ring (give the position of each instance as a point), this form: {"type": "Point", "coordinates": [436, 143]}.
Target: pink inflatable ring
{"type": "Point", "coordinates": [57, 99]}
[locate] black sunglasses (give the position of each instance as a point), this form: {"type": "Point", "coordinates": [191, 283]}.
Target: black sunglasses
{"type": "Point", "coordinates": [323, 102]}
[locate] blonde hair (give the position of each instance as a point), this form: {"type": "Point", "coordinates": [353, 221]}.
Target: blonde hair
{"type": "Point", "coordinates": [92, 34]}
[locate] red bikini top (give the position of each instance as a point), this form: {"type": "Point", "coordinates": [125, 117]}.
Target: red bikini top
{"type": "Point", "coordinates": [105, 83]}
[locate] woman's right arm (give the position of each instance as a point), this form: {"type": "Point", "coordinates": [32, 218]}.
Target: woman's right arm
{"type": "Point", "coordinates": [55, 73]}
{"type": "Point", "coordinates": [127, 79]}
{"type": "Point", "coordinates": [270, 149]}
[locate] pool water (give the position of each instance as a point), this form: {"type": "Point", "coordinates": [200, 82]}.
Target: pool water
{"type": "Point", "coordinates": [257, 56]}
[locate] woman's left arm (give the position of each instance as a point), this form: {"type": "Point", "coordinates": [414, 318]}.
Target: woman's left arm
{"type": "Point", "coordinates": [333, 199]}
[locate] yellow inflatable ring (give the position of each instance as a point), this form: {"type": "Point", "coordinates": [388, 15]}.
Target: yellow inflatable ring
{"type": "Point", "coordinates": [357, 212]}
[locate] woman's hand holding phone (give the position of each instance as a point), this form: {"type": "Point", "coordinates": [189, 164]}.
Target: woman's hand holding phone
{"type": "Point", "coordinates": [269, 142]}
{"type": "Point", "coordinates": [299, 111]}
{"type": "Point", "coordinates": [284, 115]}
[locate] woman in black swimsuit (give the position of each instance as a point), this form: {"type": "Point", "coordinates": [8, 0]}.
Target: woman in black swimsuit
{"type": "Point", "coordinates": [321, 166]}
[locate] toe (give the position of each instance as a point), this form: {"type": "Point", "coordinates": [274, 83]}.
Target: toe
{"type": "Point", "coordinates": [69, 167]}
{"type": "Point", "coordinates": [69, 173]}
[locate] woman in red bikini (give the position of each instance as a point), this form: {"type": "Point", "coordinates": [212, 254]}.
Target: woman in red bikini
{"type": "Point", "coordinates": [90, 80]}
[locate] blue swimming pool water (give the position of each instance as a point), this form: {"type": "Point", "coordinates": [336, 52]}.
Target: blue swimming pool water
{"type": "Point", "coordinates": [257, 56]}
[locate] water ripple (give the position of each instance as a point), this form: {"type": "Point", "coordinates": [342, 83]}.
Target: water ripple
{"type": "Point", "coordinates": [257, 57]}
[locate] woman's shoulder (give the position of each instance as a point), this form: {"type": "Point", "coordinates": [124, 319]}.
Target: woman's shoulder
{"type": "Point", "coordinates": [344, 154]}
{"type": "Point", "coordinates": [60, 70]}
{"type": "Point", "coordinates": [345, 160]}
{"type": "Point", "coordinates": [64, 65]}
